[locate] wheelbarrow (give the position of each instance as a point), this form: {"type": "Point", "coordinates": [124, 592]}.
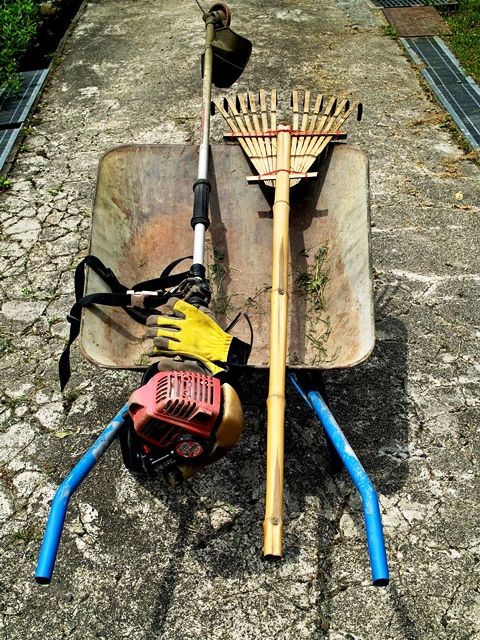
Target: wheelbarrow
{"type": "Point", "coordinates": [143, 196]}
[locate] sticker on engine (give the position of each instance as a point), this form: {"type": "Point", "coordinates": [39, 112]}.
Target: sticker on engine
{"type": "Point", "coordinates": [189, 449]}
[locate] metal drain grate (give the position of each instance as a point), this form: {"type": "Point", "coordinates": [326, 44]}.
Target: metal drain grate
{"type": "Point", "coordinates": [393, 4]}
{"type": "Point", "coordinates": [15, 109]}
{"type": "Point", "coordinates": [458, 93]}
{"type": "Point", "coordinates": [7, 140]}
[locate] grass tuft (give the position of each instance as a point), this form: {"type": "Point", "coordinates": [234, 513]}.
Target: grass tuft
{"type": "Point", "coordinates": [312, 281]}
{"type": "Point", "coordinates": [390, 31]}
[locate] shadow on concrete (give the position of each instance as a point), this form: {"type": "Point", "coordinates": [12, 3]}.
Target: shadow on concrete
{"type": "Point", "coordinates": [370, 404]}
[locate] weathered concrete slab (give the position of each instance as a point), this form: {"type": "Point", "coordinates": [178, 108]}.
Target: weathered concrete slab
{"type": "Point", "coordinates": [140, 561]}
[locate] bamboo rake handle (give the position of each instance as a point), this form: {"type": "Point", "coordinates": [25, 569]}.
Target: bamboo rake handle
{"type": "Point", "coordinates": [273, 523]}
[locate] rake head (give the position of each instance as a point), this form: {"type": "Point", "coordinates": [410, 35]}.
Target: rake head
{"type": "Point", "coordinates": [315, 123]}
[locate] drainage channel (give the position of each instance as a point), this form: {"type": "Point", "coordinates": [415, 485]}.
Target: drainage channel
{"type": "Point", "coordinates": [458, 93]}
{"type": "Point", "coordinates": [14, 110]}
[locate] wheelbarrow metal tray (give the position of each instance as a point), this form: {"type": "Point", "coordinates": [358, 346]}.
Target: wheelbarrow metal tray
{"type": "Point", "coordinates": [141, 223]}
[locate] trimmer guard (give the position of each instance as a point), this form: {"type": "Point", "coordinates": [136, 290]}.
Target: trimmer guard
{"type": "Point", "coordinates": [141, 221]}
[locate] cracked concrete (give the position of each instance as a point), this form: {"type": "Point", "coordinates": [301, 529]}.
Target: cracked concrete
{"type": "Point", "coordinates": [140, 561]}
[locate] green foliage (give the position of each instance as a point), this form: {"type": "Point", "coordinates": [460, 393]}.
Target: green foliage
{"type": "Point", "coordinates": [388, 30]}
{"type": "Point", "coordinates": [464, 22]}
{"type": "Point", "coordinates": [5, 183]}
{"type": "Point", "coordinates": [18, 30]}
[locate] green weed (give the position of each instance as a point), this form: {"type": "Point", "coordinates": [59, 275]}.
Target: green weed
{"type": "Point", "coordinates": [71, 395]}
{"type": "Point", "coordinates": [5, 183]}
{"type": "Point", "coordinates": [218, 273]}
{"type": "Point", "coordinates": [312, 280]}
{"type": "Point", "coordinates": [12, 403]}
{"type": "Point", "coordinates": [390, 31]}
{"type": "Point", "coordinates": [318, 333]}
{"type": "Point", "coordinates": [28, 534]}
{"type": "Point", "coordinates": [18, 31]}
{"type": "Point", "coordinates": [6, 345]}
{"type": "Point", "coordinates": [32, 295]}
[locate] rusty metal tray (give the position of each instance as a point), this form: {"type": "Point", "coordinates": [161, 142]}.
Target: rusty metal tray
{"type": "Point", "coordinates": [141, 223]}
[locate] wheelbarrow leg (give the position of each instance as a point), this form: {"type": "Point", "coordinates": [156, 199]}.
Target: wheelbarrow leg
{"type": "Point", "coordinates": [371, 507]}
{"type": "Point", "coordinates": [335, 460]}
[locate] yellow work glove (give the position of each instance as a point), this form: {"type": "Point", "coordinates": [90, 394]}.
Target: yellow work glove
{"type": "Point", "coordinates": [190, 332]}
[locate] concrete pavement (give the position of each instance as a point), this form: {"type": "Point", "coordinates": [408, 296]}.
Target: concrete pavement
{"type": "Point", "coordinates": [140, 561]}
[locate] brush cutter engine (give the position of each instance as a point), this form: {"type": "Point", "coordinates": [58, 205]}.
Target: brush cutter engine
{"type": "Point", "coordinates": [177, 411]}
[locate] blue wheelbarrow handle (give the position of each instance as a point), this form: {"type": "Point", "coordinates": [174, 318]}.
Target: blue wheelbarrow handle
{"type": "Point", "coordinates": [371, 508]}
{"type": "Point", "coordinates": [58, 510]}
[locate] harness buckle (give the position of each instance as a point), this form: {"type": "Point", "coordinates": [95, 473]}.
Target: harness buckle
{"type": "Point", "coordinates": [138, 298]}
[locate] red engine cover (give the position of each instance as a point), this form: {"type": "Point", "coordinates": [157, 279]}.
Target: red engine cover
{"type": "Point", "coordinates": [174, 403]}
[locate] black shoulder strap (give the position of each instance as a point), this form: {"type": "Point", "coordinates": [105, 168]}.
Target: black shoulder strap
{"type": "Point", "coordinates": [118, 298]}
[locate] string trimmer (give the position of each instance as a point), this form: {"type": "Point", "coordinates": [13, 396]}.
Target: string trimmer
{"type": "Point", "coordinates": [185, 414]}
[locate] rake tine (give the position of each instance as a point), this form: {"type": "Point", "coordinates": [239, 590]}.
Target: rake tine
{"type": "Point", "coordinates": [251, 129]}
{"type": "Point", "coordinates": [331, 107]}
{"type": "Point", "coordinates": [238, 117]}
{"type": "Point", "coordinates": [273, 115]}
{"type": "Point", "coordinates": [232, 124]}
{"type": "Point", "coordinates": [326, 122]}
{"type": "Point", "coordinates": [223, 110]}
{"type": "Point", "coordinates": [241, 125]}
{"type": "Point", "coordinates": [265, 127]}
{"type": "Point", "coordinates": [261, 141]}
{"type": "Point", "coordinates": [306, 109]}
{"type": "Point", "coordinates": [343, 106]}
{"type": "Point", "coordinates": [252, 103]}
{"type": "Point", "coordinates": [309, 157]}
{"type": "Point", "coordinates": [295, 110]}
{"type": "Point", "coordinates": [328, 139]}
{"type": "Point", "coordinates": [347, 114]}
{"type": "Point", "coordinates": [329, 125]}
{"type": "Point", "coordinates": [316, 111]}
{"type": "Point", "coordinates": [295, 127]}
{"type": "Point", "coordinates": [297, 161]}
{"type": "Point", "coordinates": [311, 125]}
{"type": "Point", "coordinates": [273, 109]}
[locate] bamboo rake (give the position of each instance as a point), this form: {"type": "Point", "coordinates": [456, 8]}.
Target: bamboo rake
{"type": "Point", "coordinates": [282, 155]}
